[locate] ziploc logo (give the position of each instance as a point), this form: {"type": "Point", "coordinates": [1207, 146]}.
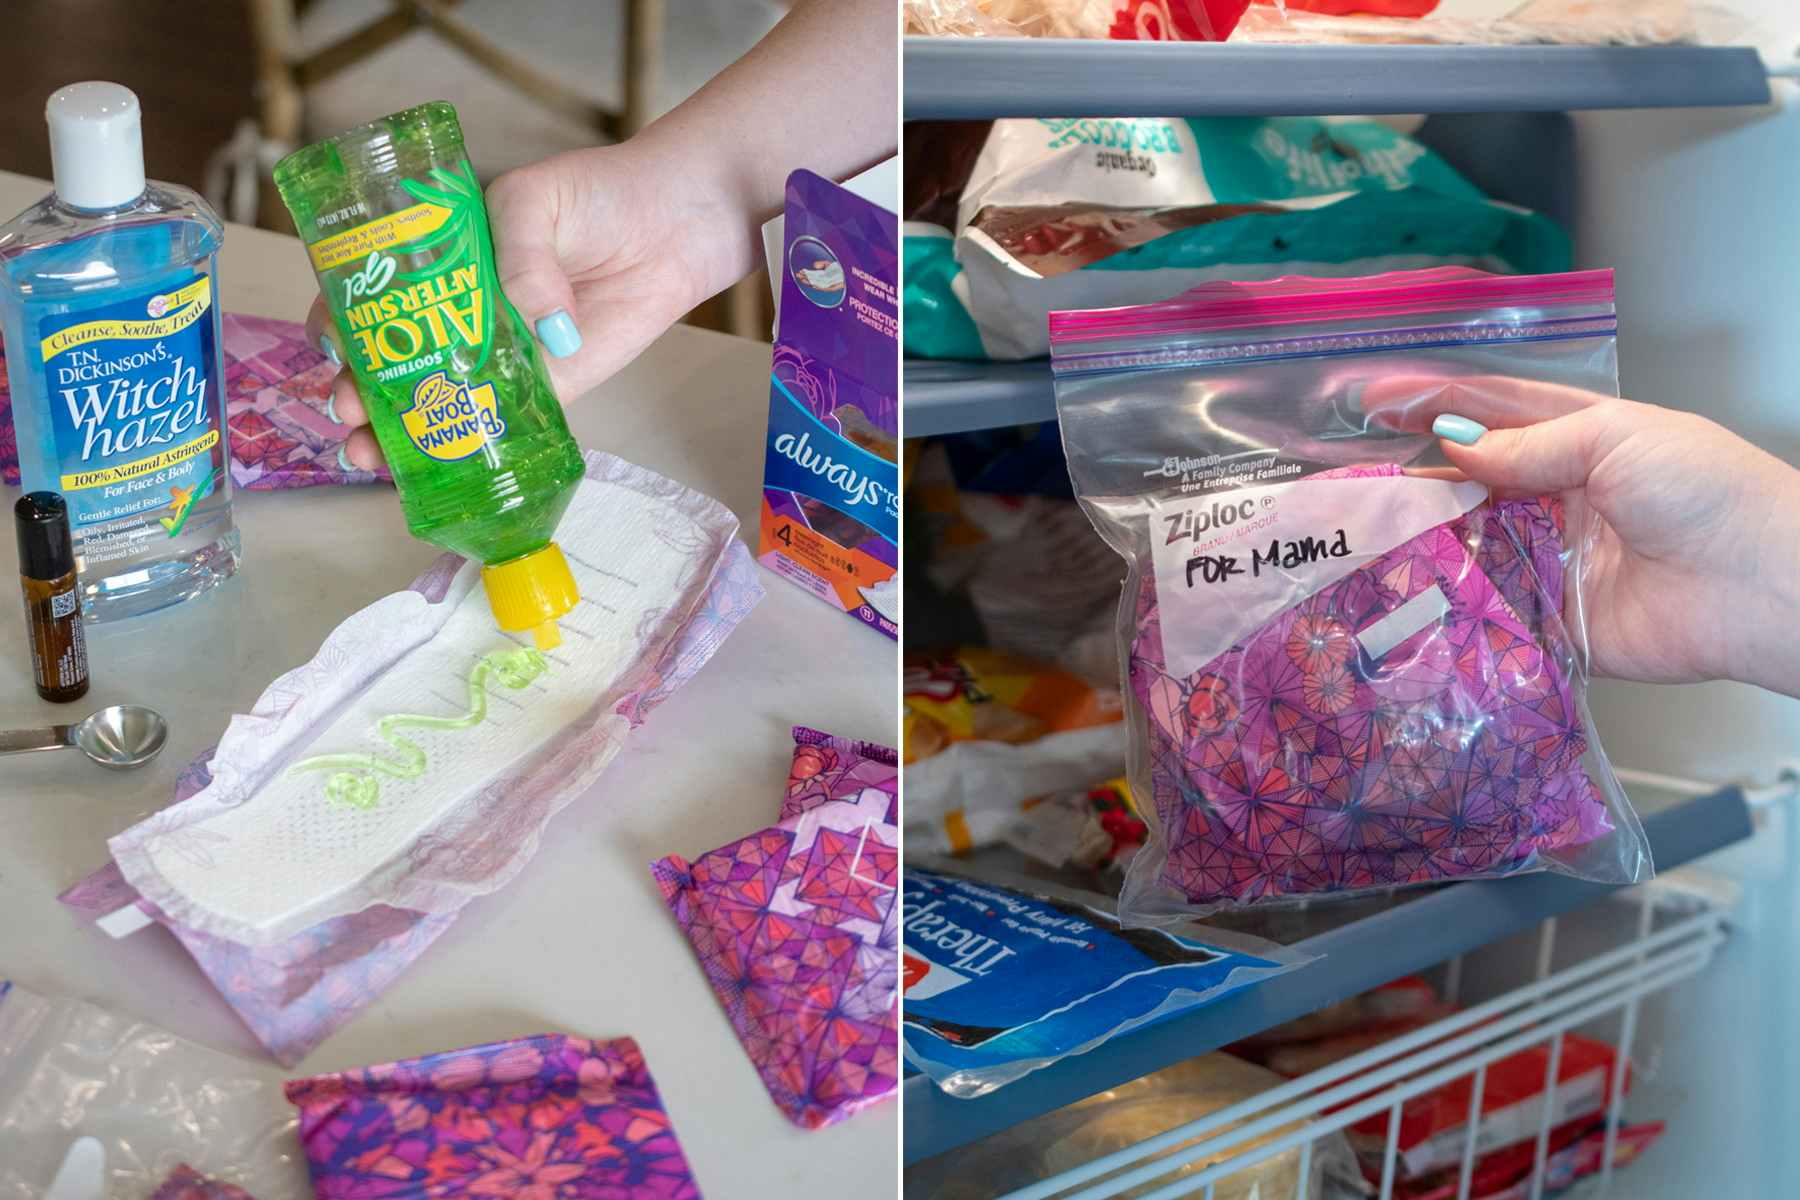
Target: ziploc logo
{"type": "Point", "coordinates": [449, 420]}
{"type": "Point", "coordinates": [809, 458]}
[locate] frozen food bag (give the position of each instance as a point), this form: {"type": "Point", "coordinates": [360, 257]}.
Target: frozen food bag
{"type": "Point", "coordinates": [1116, 20]}
{"type": "Point", "coordinates": [1576, 1151]}
{"type": "Point", "coordinates": [1473, 22]}
{"type": "Point", "coordinates": [983, 732]}
{"type": "Point", "coordinates": [999, 983]}
{"type": "Point", "coordinates": [1125, 1116]}
{"type": "Point", "coordinates": [547, 1116]}
{"type": "Point", "coordinates": [1344, 670]}
{"type": "Point", "coordinates": [1434, 1124]}
{"type": "Point", "coordinates": [1086, 213]}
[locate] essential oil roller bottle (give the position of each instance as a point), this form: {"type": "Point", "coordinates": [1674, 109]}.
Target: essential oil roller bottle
{"type": "Point", "coordinates": [52, 600]}
{"type": "Point", "coordinates": [110, 306]}
{"type": "Point", "coordinates": [393, 220]}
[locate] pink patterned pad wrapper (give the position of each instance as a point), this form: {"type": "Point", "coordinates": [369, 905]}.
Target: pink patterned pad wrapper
{"type": "Point", "coordinates": [828, 767]}
{"type": "Point", "coordinates": [277, 397]}
{"type": "Point", "coordinates": [796, 928]}
{"type": "Point", "coordinates": [1295, 763]}
{"type": "Point", "coordinates": [295, 992]}
{"type": "Point", "coordinates": [540, 1118]}
{"type": "Point", "coordinates": [185, 1183]}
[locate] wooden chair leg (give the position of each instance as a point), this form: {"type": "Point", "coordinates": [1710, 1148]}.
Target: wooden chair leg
{"type": "Point", "coordinates": [644, 24]}
{"type": "Point", "coordinates": [278, 93]}
{"type": "Point", "coordinates": [749, 308]}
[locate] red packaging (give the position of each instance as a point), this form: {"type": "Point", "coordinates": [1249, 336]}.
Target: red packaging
{"type": "Point", "coordinates": [1362, 8]}
{"type": "Point", "coordinates": [1512, 1106]}
{"type": "Point", "coordinates": [1176, 20]}
{"type": "Point", "coordinates": [1577, 1150]}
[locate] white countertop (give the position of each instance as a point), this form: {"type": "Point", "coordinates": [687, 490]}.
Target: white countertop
{"type": "Point", "coordinates": [581, 942]}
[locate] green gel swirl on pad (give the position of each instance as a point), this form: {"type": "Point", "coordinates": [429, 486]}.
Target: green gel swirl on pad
{"type": "Point", "coordinates": [356, 785]}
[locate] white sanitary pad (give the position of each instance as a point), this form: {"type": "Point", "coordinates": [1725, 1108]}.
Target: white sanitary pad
{"type": "Point", "coordinates": [262, 853]}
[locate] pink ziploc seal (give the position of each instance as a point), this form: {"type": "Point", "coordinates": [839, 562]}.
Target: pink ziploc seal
{"type": "Point", "coordinates": [797, 930]}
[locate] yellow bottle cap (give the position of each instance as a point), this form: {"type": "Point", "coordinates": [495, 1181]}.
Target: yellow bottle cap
{"type": "Point", "coordinates": [532, 592]}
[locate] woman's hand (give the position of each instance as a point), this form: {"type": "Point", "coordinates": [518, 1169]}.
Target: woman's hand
{"type": "Point", "coordinates": [599, 250]}
{"type": "Point", "coordinates": [1694, 570]}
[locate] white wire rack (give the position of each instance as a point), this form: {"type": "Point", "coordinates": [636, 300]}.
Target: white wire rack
{"type": "Point", "coordinates": [1607, 986]}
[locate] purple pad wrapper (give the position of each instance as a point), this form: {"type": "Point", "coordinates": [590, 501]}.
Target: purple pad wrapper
{"type": "Point", "coordinates": [1295, 763]}
{"type": "Point", "coordinates": [539, 1118]}
{"type": "Point", "coordinates": [295, 992]}
{"type": "Point", "coordinates": [828, 767]}
{"type": "Point", "coordinates": [277, 408]}
{"type": "Point", "coordinates": [796, 929]}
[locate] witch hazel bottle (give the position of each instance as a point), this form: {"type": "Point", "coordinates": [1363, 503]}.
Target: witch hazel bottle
{"type": "Point", "coordinates": [110, 311]}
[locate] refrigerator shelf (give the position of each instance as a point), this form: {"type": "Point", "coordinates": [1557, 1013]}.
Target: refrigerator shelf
{"type": "Point", "coordinates": [955, 397]}
{"type": "Point", "coordinates": [1629, 950]}
{"type": "Point", "coordinates": [949, 78]}
{"type": "Point", "coordinates": [1428, 928]}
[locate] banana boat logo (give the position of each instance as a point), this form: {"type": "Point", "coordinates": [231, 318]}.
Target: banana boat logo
{"type": "Point", "coordinates": [449, 420]}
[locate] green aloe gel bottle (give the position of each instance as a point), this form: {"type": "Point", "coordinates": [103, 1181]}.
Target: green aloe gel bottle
{"type": "Point", "coordinates": [393, 219]}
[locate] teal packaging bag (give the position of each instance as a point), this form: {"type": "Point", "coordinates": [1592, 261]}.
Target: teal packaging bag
{"type": "Point", "coordinates": [1089, 213]}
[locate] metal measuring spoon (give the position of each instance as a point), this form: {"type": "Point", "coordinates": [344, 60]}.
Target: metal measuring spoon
{"type": "Point", "coordinates": [125, 735]}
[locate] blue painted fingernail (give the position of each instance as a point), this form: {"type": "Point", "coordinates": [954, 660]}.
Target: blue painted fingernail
{"type": "Point", "coordinates": [329, 349]}
{"type": "Point", "coordinates": [344, 457]}
{"type": "Point", "coordinates": [1460, 430]}
{"type": "Point", "coordinates": [559, 335]}
{"type": "Point", "coordinates": [331, 408]}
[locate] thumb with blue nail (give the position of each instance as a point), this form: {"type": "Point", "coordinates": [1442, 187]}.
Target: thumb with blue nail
{"type": "Point", "coordinates": [1692, 571]}
{"type": "Point", "coordinates": [601, 250]}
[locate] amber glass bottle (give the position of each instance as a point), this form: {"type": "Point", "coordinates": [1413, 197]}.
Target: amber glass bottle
{"type": "Point", "coordinates": [52, 601]}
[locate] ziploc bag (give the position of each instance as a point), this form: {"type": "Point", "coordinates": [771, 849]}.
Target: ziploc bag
{"type": "Point", "coordinates": [1344, 671]}
{"type": "Point", "coordinates": [303, 893]}
{"type": "Point", "coordinates": [1000, 983]}
{"type": "Point", "coordinates": [170, 1114]}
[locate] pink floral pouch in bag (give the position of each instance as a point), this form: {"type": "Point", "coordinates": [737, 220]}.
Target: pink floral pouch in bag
{"type": "Point", "coordinates": [296, 975]}
{"type": "Point", "coordinates": [1349, 670]}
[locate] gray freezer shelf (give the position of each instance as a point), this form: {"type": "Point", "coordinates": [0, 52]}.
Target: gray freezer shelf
{"type": "Point", "coordinates": [1408, 937]}
{"type": "Point", "coordinates": [949, 78]}
{"type": "Point", "coordinates": [954, 397]}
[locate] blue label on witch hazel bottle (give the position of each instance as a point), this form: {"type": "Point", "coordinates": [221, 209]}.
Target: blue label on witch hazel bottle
{"type": "Point", "coordinates": [129, 411]}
